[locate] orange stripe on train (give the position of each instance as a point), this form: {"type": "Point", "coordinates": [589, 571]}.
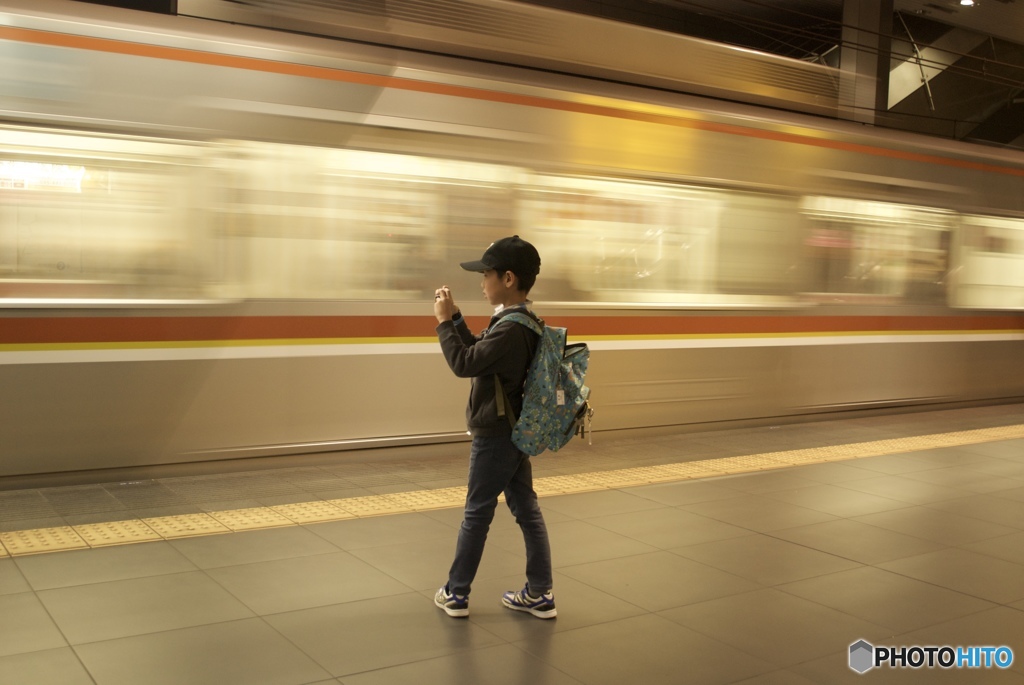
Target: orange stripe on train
{"type": "Point", "coordinates": [138, 329]}
{"type": "Point", "coordinates": [326, 73]}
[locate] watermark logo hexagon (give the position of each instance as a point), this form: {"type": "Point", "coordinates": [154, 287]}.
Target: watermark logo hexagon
{"type": "Point", "coordinates": [862, 656]}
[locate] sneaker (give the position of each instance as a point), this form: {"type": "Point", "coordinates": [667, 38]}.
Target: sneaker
{"type": "Point", "coordinates": [450, 603]}
{"type": "Point", "coordinates": [541, 607]}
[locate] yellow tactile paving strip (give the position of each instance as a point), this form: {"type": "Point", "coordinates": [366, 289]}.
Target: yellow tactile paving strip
{"type": "Point", "coordinates": [40, 540]}
{"type": "Point", "coordinates": [116, 533]}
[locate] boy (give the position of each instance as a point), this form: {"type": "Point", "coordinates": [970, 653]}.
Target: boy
{"type": "Point", "coordinates": [509, 267]}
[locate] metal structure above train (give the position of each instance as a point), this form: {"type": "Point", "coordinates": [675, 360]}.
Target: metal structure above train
{"type": "Point", "coordinates": [539, 37]}
{"type": "Point", "coordinates": [955, 70]}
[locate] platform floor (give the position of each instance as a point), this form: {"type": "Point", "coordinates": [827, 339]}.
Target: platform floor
{"type": "Point", "coordinates": [899, 530]}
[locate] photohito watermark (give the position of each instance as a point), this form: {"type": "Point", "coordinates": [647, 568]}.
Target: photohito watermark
{"type": "Point", "coordinates": [864, 656]}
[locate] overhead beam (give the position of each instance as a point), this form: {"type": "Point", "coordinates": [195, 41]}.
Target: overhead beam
{"type": "Point", "coordinates": [928, 62]}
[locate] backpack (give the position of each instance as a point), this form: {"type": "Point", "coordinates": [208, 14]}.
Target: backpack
{"type": "Point", "coordinates": [555, 400]}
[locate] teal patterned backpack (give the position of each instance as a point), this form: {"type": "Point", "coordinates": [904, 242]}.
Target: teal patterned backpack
{"type": "Point", "coordinates": [555, 400]}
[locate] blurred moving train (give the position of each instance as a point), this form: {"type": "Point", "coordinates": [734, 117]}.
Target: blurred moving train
{"type": "Point", "coordinates": [220, 241]}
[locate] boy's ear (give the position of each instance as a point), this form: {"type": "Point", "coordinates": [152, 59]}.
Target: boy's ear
{"type": "Point", "coordinates": [509, 279]}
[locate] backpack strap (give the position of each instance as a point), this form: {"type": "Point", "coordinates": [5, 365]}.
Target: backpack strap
{"type": "Point", "coordinates": [500, 398]}
{"type": "Point", "coordinates": [524, 319]}
{"type": "Point", "coordinates": [502, 401]}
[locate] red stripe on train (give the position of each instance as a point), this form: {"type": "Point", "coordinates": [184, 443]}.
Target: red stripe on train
{"type": "Point", "coordinates": [35, 330]}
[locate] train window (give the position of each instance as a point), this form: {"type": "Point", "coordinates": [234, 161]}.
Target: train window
{"type": "Point", "coordinates": [617, 241]}
{"type": "Point", "coordinates": [100, 218]}
{"type": "Point", "coordinates": [649, 243]}
{"type": "Point", "coordinates": [323, 223]}
{"type": "Point", "coordinates": [874, 251]}
{"type": "Point", "coordinates": [307, 222]}
{"type": "Point", "coordinates": [990, 264]}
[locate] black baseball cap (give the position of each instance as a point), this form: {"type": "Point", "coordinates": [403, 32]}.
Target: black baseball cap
{"type": "Point", "coordinates": [508, 254]}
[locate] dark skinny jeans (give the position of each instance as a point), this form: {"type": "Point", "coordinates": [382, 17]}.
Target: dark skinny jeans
{"type": "Point", "coordinates": [496, 466]}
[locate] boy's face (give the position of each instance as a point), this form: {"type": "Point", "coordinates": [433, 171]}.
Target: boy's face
{"type": "Point", "coordinates": [498, 287]}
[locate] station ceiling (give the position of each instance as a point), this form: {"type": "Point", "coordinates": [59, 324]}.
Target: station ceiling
{"type": "Point", "coordinates": [972, 55]}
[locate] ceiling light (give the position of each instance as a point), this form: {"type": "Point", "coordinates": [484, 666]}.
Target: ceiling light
{"type": "Point", "coordinates": [967, 3]}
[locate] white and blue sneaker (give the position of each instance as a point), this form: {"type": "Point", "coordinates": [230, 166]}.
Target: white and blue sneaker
{"type": "Point", "coordinates": [450, 603]}
{"type": "Point", "coordinates": [521, 600]}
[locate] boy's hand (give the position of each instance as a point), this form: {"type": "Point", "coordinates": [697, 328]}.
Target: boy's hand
{"type": "Point", "coordinates": [444, 306]}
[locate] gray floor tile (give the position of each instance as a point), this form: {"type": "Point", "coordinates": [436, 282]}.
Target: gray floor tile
{"type": "Point", "coordinates": [929, 523]}
{"type": "Point", "coordinates": [452, 516]}
{"type": "Point", "coordinates": [768, 481]}
{"type": "Point", "coordinates": [906, 490]}
{"type": "Point", "coordinates": [11, 578]}
{"type": "Point", "coordinates": [81, 500]}
{"type": "Point", "coordinates": [646, 649]}
{"type": "Point", "coordinates": [247, 652]}
{"type": "Point", "coordinates": [579, 605]}
{"type": "Point", "coordinates": [227, 504]}
{"type": "Point", "coordinates": [894, 463]}
{"type": "Point", "coordinates": [783, 677]}
{"type": "Point", "coordinates": [104, 564]}
{"type": "Point", "coordinates": [499, 665]}
{"type": "Point", "coordinates": [168, 510]}
{"type": "Point", "coordinates": [1007, 547]}
{"type": "Point", "coordinates": [1006, 468]}
{"type": "Point", "coordinates": [24, 504]}
{"type": "Point", "coordinates": [381, 530]}
{"type": "Point", "coordinates": [1003, 449]}
{"type": "Point", "coordinates": [837, 500]}
{"type": "Point", "coordinates": [757, 513]}
{"type": "Point", "coordinates": [343, 493]}
{"type": "Point", "coordinates": [1016, 493]}
{"type": "Point", "coordinates": [974, 574]}
{"type": "Point", "coordinates": [967, 478]}
{"type": "Point", "coordinates": [580, 542]}
{"type": "Point", "coordinates": [25, 625]}
{"type": "Point", "coordinates": [46, 667]}
{"type": "Point", "coordinates": [765, 560]}
{"type": "Point", "coordinates": [363, 636]}
{"type": "Point", "coordinates": [424, 565]}
{"type": "Point", "coordinates": [667, 528]}
{"type": "Point", "coordinates": [272, 587]}
{"type": "Point", "coordinates": [857, 541]}
{"type": "Point", "coordinates": [147, 493]}
{"type": "Point", "coordinates": [836, 472]}
{"type": "Point", "coordinates": [252, 546]}
{"type": "Point", "coordinates": [775, 626]}
{"type": "Point", "coordinates": [104, 611]}
{"type": "Point", "coordinates": [658, 580]}
{"type": "Point", "coordinates": [687, 492]}
{"type": "Point", "coordinates": [9, 524]}
{"type": "Point", "coordinates": [988, 507]}
{"type": "Point", "coordinates": [887, 599]}
{"type": "Point", "coordinates": [602, 503]}
{"type": "Point", "coordinates": [949, 456]}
